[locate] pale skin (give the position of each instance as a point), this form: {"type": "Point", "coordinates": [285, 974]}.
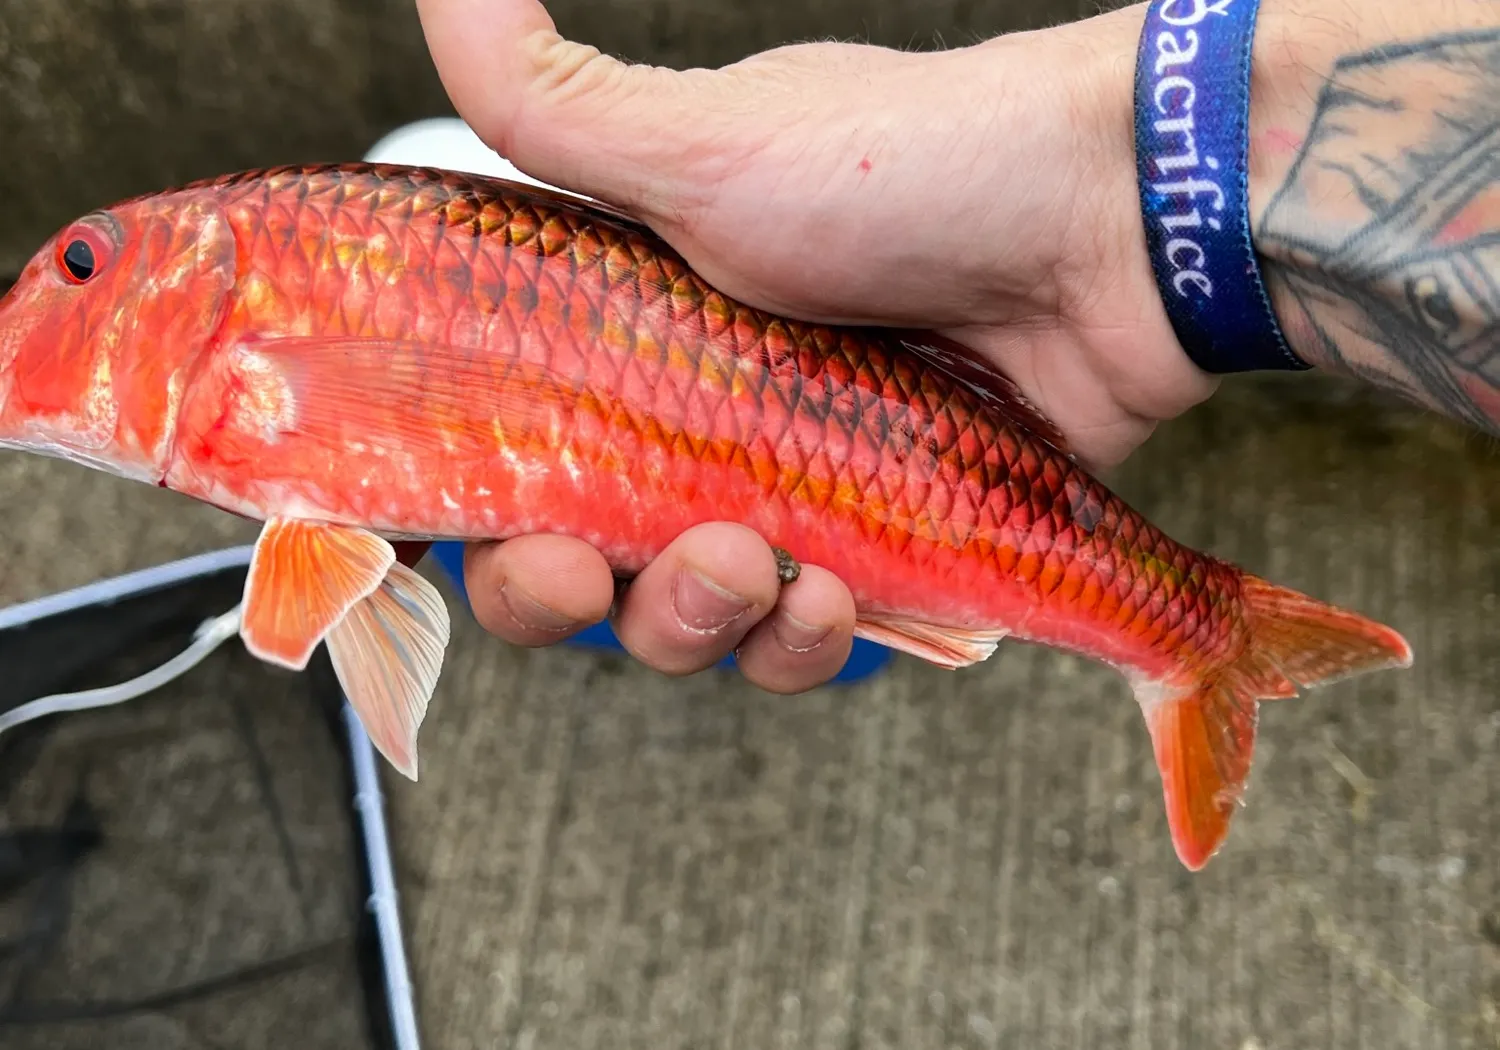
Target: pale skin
{"type": "Point", "coordinates": [988, 192]}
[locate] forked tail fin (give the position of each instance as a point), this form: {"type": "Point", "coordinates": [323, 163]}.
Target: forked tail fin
{"type": "Point", "coordinates": [1204, 737]}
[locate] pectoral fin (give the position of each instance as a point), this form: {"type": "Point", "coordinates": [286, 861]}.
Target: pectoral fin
{"type": "Point", "coordinates": [388, 653]}
{"type": "Point", "coordinates": [304, 577]}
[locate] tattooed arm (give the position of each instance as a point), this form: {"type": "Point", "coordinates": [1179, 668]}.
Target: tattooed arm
{"type": "Point", "coordinates": [1375, 179]}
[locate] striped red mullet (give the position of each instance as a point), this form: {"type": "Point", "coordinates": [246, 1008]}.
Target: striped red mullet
{"type": "Point", "coordinates": [363, 354]}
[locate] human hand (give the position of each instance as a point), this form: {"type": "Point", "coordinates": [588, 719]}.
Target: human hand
{"type": "Point", "coordinates": [987, 192]}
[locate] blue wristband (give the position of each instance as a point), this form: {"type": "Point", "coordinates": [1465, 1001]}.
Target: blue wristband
{"type": "Point", "coordinates": [1192, 146]}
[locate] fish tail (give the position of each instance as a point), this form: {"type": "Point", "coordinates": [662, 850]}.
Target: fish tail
{"type": "Point", "coordinates": [1203, 733]}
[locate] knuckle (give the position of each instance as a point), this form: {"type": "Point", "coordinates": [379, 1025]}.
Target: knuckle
{"type": "Point", "coordinates": [490, 615]}
{"type": "Point", "coordinates": [666, 647]}
{"type": "Point", "coordinates": [766, 664]}
{"type": "Point", "coordinates": [770, 673]}
{"type": "Point", "coordinates": [675, 658]}
{"type": "Point", "coordinates": [566, 71]}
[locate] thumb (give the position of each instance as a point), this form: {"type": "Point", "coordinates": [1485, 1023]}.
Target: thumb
{"type": "Point", "coordinates": [564, 112]}
{"type": "Point", "coordinates": [760, 173]}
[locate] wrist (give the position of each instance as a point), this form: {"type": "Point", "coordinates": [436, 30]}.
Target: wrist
{"type": "Point", "coordinates": [1371, 211]}
{"type": "Point", "coordinates": [1186, 89]}
{"type": "Point", "coordinates": [1296, 45]}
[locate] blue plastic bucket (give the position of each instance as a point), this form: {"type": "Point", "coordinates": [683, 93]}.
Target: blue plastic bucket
{"type": "Point", "coordinates": [865, 659]}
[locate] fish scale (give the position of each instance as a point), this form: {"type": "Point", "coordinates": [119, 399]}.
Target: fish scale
{"type": "Point", "coordinates": [359, 354]}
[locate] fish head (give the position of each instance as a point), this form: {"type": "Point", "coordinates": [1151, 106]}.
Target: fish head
{"type": "Point", "coordinates": [99, 333]}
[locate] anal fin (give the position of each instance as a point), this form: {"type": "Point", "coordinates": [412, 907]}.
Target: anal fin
{"type": "Point", "coordinates": [949, 647]}
{"type": "Point", "coordinates": [388, 653]}
{"type": "Point", "coordinates": [304, 576]}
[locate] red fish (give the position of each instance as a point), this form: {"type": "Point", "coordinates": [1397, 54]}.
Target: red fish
{"type": "Point", "coordinates": [359, 355]}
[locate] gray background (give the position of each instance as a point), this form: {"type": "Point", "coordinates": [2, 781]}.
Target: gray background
{"type": "Point", "coordinates": [597, 856]}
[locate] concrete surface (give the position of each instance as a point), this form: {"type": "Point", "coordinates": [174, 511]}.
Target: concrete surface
{"type": "Point", "coordinates": [599, 857]}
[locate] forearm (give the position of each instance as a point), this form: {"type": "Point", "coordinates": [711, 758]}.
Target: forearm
{"type": "Point", "coordinates": [1375, 192]}
{"type": "Point", "coordinates": [1374, 185]}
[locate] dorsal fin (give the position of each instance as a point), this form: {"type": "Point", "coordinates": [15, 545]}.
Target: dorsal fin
{"type": "Point", "coordinates": [563, 199]}
{"type": "Point", "coordinates": [966, 366]}
{"type": "Point", "coordinates": [492, 184]}
{"type": "Point", "coordinates": [499, 184]}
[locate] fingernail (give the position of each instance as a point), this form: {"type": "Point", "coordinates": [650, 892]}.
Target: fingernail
{"type": "Point", "coordinates": [702, 605]}
{"type": "Point", "coordinates": [797, 636]}
{"type": "Point", "coordinates": [532, 614]}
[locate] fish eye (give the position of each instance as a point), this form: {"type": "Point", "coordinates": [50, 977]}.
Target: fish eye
{"type": "Point", "coordinates": [82, 253]}
{"type": "Point", "coordinates": [78, 260]}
